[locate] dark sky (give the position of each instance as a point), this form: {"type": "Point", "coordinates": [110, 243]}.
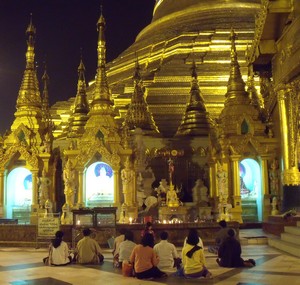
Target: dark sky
{"type": "Point", "coordinates": [63, 28]}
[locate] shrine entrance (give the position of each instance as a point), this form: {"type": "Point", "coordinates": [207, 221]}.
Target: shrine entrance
{"type": "Point", "coordinates": [19, 195]}
{"type": "Point", "coordinates": [99, 190]}
{"type": "Point", "coordinates": [250, 189]}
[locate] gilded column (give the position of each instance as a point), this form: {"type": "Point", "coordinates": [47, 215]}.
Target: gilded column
{"type": "Point", "coordinates": [281, 96]}
{"type": "Point", "coordinates": [236, 211]}
{"type": "Point", "coordinates": [34, 203]}
{"type": "Point", "coordinates": [266, 206]}
{"type": "Point", "coordinates": [116, 188]}
{"type": "Point", "coordinates": [80, 189]}
{"type": "Point", "coordinates": [287, 96]}
{"type": "Point", "coordinates": [1, 193]}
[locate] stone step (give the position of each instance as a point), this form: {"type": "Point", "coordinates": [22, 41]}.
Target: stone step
{"type": "Point", "coordinates": [290, 238]}
{"type": "Point", "coordinates": [285, 246]}
{"type": "Point", "coordinates": [292, 230]}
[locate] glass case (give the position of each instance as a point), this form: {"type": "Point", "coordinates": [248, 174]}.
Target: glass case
{"type": "Point", "coordinates": [95, 217]}
{"type": "Point", "coordinates": [83, 218]}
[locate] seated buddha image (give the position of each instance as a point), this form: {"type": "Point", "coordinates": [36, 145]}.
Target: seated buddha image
{"type": "Point", "coordinates": [172, 198]}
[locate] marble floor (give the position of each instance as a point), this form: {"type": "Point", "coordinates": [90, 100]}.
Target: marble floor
{"type": "Point", "coordinates": [23, 266]}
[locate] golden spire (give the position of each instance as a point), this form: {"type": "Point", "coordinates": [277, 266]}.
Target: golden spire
{"type": "Point", "coordinates": [45, 100]}
{"type": "Point", "coordinates": [196, 121]}
{"type": "Point", "coordinates": [29, 94]}
{"type": "Point", "coordinates": [236, 93]}
{"type": "Point", "coordinates": [101, 97]}
{"type": "Point", "coordinates": [81, 106]}
{"type": "Point", "coordinates": [138, 114]}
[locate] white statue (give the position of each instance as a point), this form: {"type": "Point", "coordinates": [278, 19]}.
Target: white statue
{"type": "Point", "coordinates": [200, 193]}
{"type": "Point", "coordinates": [274, 177]}
{"type": "Point", "coordinates": [222, 184]}
{"type": "Point", "coordinates": [67, 216]}
{"type": "Point", "coordinates": [44, 183]}
{"type": "Point", "coordinates": [127, 177]}
{"type": "Point", "coordinates": [69, 176]}
{"type": "Point", "coordinates": [48, 209]}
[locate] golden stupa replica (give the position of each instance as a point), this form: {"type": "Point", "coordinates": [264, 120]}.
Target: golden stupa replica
{"type": "Point", "coordinates": [195, 89]}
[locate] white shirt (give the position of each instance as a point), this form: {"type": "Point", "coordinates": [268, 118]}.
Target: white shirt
{"type": "Point", "coordinates": [59, 255]}
{"type": "Point", "coordinates": [166, 252]}
{"type": "Point", "coordinates": [125, 249]}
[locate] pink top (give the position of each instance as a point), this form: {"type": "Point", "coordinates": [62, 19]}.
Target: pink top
{"type": "Point", "coordinates": [143, 257]}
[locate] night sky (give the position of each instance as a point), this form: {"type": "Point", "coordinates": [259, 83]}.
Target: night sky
{"type": "Point", "coordinates": [63, 27]}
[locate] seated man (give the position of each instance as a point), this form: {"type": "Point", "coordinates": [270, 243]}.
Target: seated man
{"type": "Point", "coordinates": [116, 245]}
{"type": "Point", "coordinates": [88, 250]}
{"type": "Point", "coordinates": [126, 247]}
{"type": "Point", "coordinates": [167, 253]}
{"type": "Point", "coordinates": [230, 253]}
{"type": "Point", "coordinates": [221, 235]}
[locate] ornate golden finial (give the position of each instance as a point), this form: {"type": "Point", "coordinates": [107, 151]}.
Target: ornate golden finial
{"type": "Point", "coordinates": [102, 97]}
{"type": "Point", "coordinates": [81, 106]}
{"type": "Point", "coordinates": [29, 94]}
{"type": "Point", "coordinates": [195, 121]}
{"type": "Point", "coordinates": [236, 85]}
{"type": "Point", "coordinates": [138, 114]}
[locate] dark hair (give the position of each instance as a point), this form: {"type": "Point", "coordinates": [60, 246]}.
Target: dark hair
{"type": "Point", "coordinates": [231, 233]}
{"type": "Point", "coordinates": [193, 237]}
{"type": "Point", "coordinates": [122, 231]}
{"type": "Point", "coordinates": [58, 239]}
{"type": "Point", "coordinates": [164, 235]}
{"type": "Point", "coordinates": [148, 240]}
{"type": "Point", "coordinates": [128, 235]}
{"type": "Point", "coordinates": [223, 224]}
{"type": "Point", "coordinates": [148, 225]}
{"type": "Point", "coordinates": [86, 232]}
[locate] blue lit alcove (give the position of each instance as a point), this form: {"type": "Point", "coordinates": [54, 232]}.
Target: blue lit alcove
{"type": "Point", "coordinates": [250, 183]}
{"type": "Point", "coordinates": [99, 190]}
{"type": "Point", "coordinates": [19, 194]}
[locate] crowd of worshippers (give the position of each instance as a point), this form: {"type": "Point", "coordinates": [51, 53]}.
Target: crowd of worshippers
{"type": "Point", "coordinates": [149, 260]}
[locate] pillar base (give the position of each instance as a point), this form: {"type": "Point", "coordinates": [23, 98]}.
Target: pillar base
{"type": "Point", "coordinates": [291, 198]}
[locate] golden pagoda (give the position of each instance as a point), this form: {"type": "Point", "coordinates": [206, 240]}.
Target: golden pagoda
{"type": "Point", "coordinates": [231, 137]}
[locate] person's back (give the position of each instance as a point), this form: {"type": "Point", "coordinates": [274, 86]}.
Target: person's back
{"type": "Point", "coordinates": [126, 247]}
{"type": "Point", "coordinates": [230, 253]}
{"type": "Point", "coordinates": [59, 251]}
{"type": "Point", "coordinates": [118, 240]}
{"type": "Point", "coordinates": [88, 250]}
{"type": "Point", "coordinates": [193, 259]}
{"type": "Point", "coordinates": [166, 252]}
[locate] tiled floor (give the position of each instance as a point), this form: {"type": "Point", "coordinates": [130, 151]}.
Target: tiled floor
{"type": "Point", "coordinates": [23, 266]}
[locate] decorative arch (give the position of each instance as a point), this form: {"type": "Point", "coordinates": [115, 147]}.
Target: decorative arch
{"type": "Point", "coordinates": [30, 157]}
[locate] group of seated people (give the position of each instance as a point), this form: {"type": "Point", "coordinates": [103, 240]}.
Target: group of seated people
{"type": "Point", "coordinates": [149, 260]}
{"type": "Point", "coordinates": [87, 251]}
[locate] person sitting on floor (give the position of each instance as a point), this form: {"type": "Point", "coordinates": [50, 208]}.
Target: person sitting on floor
{"type": "Point", "coordinates": [126, 247]}
{"type": "Point", "coordinates": [58, 251]}
{"type": "Point", "coordinates": [221, 235]}
{"type": "Point", "coordinates": [193, 259]}
{"type": "Point", "coordinates": [230, 253]}
{"type": "Point", "coordinates": [167, 253]}
{"type": "Point", "coordinates": [117, 242]}
{"type": "Point", "coordinates": [88, 250]}
{"type": "Point", "coordinates": [145, 259]}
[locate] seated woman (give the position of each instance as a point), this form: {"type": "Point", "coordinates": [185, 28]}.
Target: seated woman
{"type": "Point", "coordinates": [230, 253]}
{"type": "Point", "coordinates": [59, 251]}
{"type": "Point", "coordinates": [126, 247]}
{"type": "Point", "coordinates": [193, 259]}
{"type": "Point", "coordinates": [145, 259]}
